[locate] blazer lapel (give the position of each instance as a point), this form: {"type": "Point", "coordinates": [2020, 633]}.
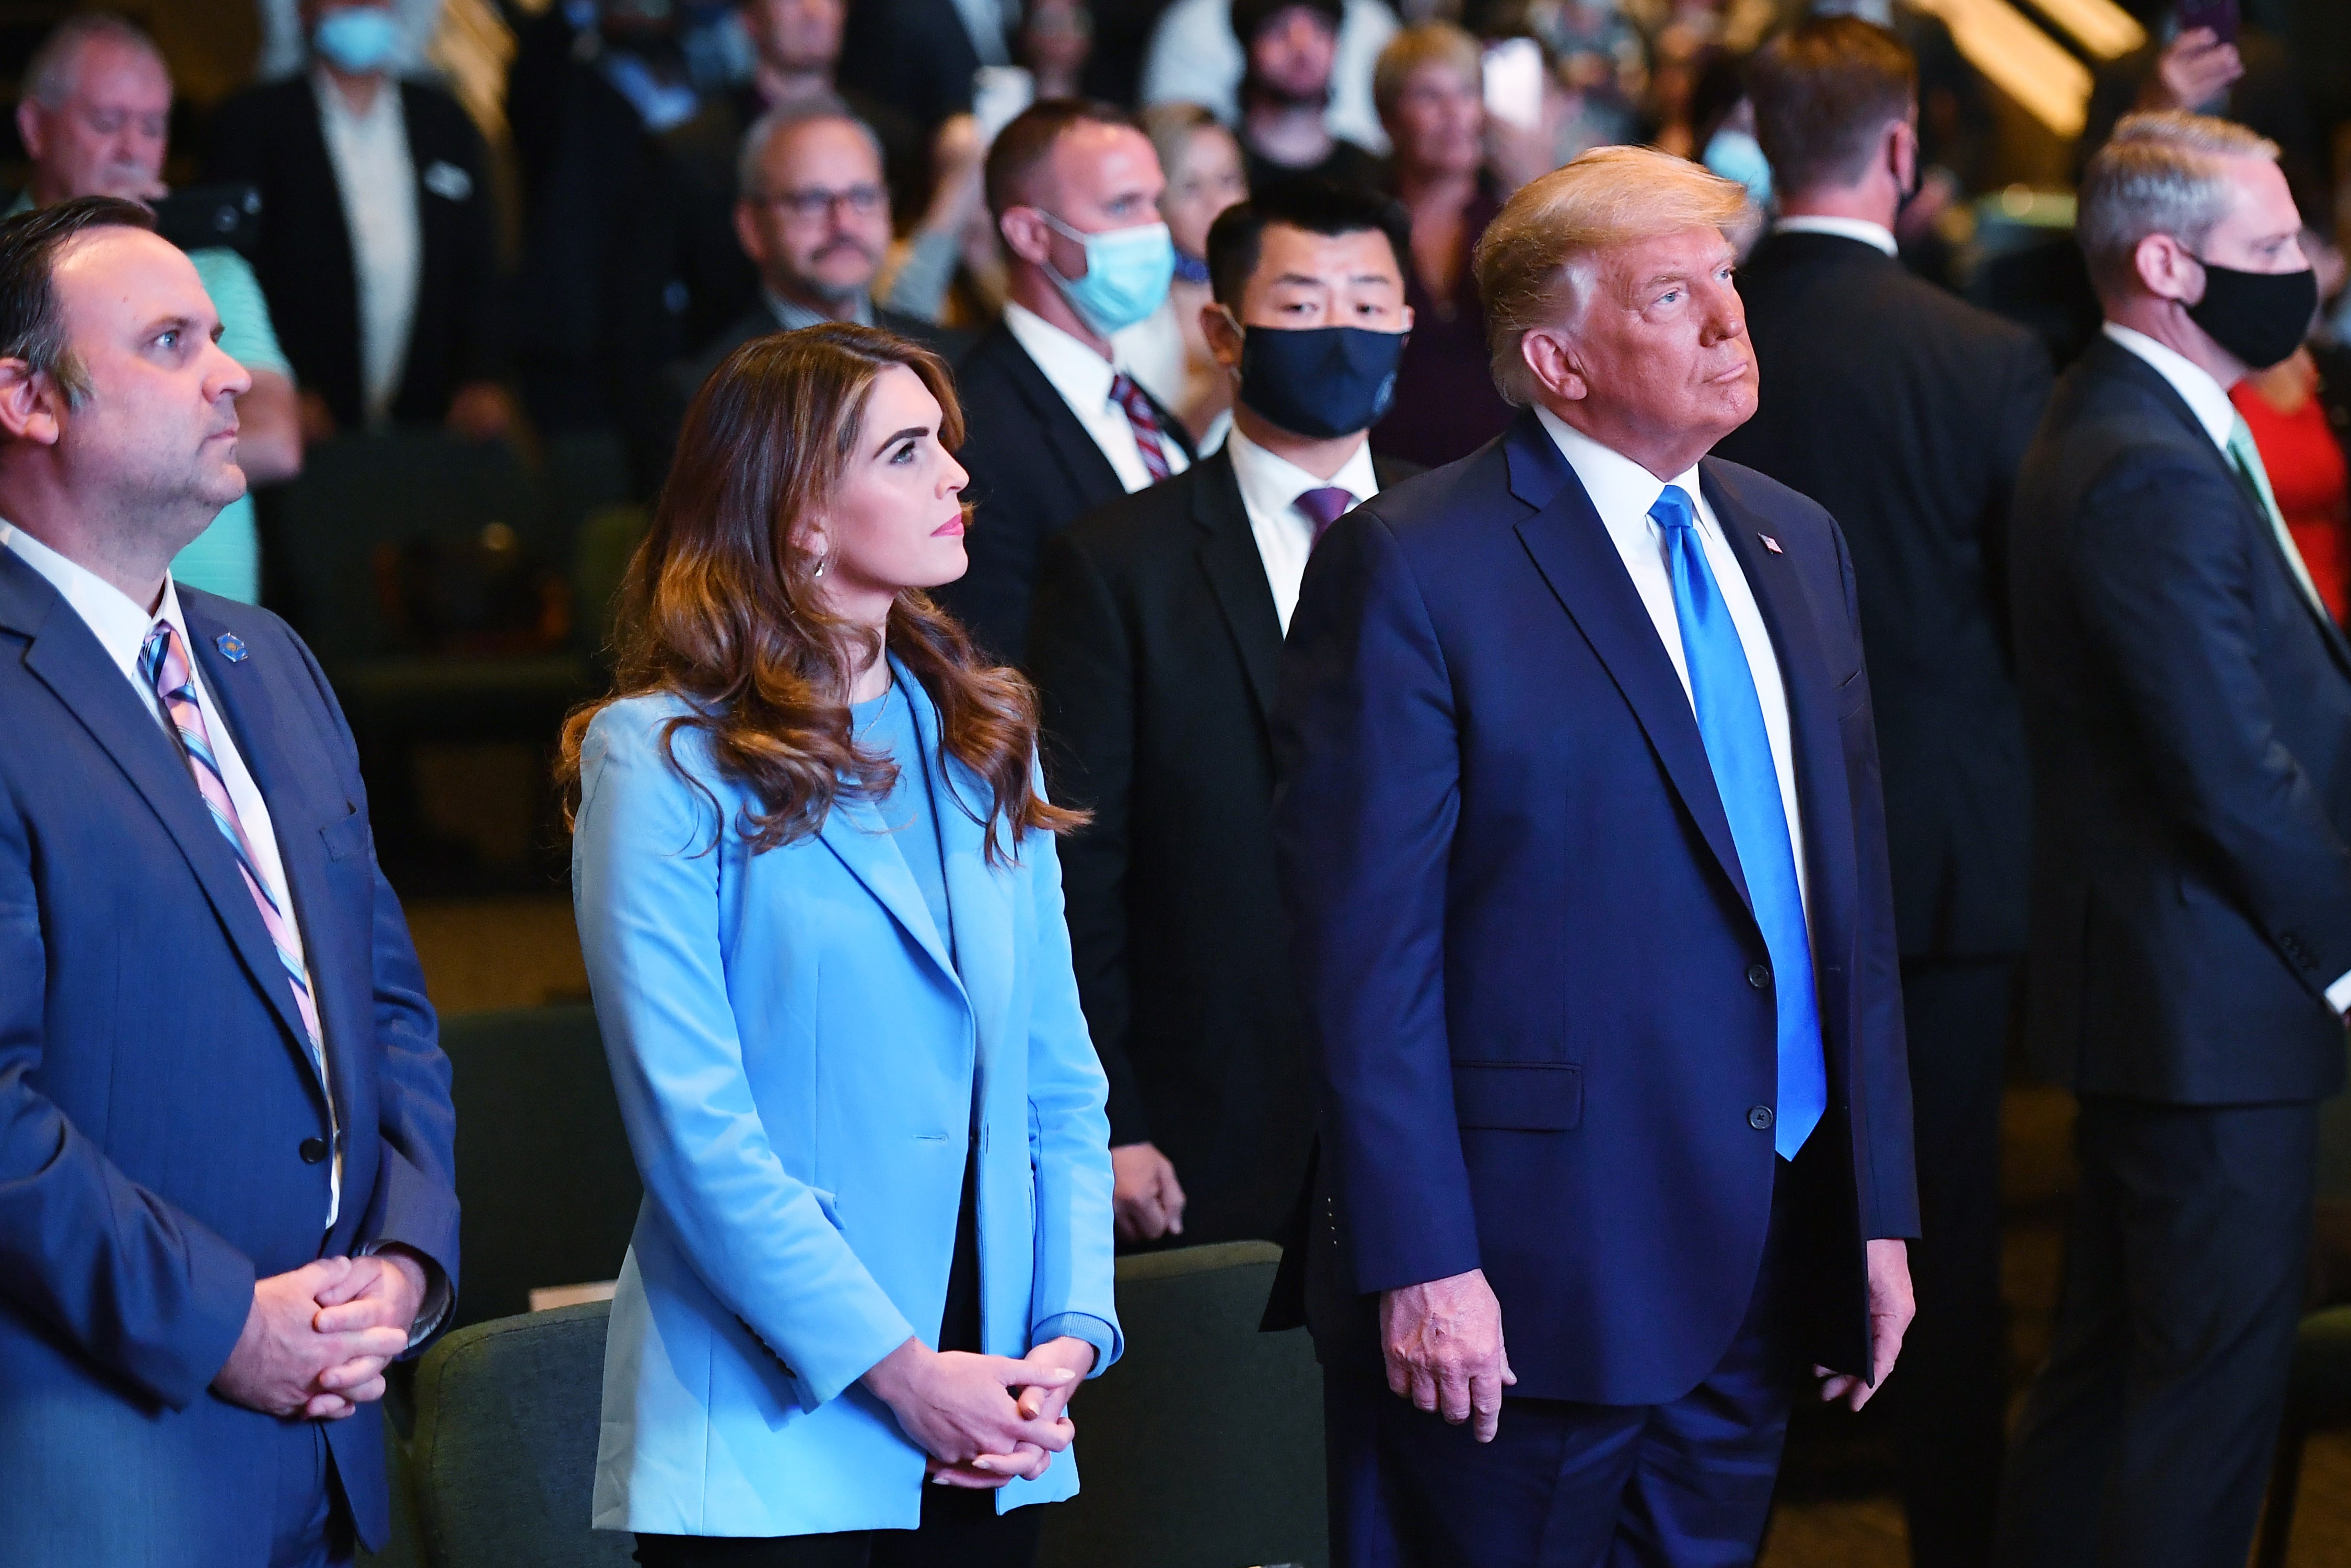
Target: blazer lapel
{"type": "Point", "coordinates": [1236, 573]}
{"type": "Point", "coordinates": [978, 894]}
{"type": "Point", "coordinates": [1081, 461]}
{"type": "Point", "coordinates": [68, 659]}
{"type": "Point", "coordinates": [241, 693]}
{"type": "Point", "coordinates": [1572, 548]}
{"type": "Point", "coordinates": [856, 833]}
{"type": "Point", "coordinates": [1810, 684]}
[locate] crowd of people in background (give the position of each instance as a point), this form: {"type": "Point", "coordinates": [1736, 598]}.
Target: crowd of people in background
{"type": "Point", "coordinates": [1055, 342]}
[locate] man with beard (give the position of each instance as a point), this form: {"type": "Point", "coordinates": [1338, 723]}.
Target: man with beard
{"type": "Point", "coordinates": [814, 218]}
{"type": "Point", "coordinates": [1292, 46]}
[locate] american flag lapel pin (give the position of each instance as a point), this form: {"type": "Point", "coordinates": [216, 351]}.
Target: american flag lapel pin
{"type": "Point", "coordinates": [1771, 544]}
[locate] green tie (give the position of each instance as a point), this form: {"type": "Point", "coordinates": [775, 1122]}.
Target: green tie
{"type": "Point", "coordinates": [2248, 460]}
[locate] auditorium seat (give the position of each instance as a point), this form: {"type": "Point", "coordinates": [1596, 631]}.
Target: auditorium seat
{"type": "Point", "coordinates": [504, 1459]}
{"type": "Point", "coordinates": [1202, 1447]}
{"type": "Point", "coordinates": [549, 1189]}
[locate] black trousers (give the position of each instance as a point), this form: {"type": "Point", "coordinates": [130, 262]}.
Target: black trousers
{"type": "Point", "coordinates": [961, 1529]}
{"type": "Point", "coordinates": [2146, 1438]}
{"type": "Point", "coordinates": [1948, 1397]}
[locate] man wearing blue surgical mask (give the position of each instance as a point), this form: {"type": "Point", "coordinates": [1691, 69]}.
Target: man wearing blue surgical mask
{"type": "Point", "coordinates": [1158, 624]}
{"type": "Point", "coordinates": [379, 257]}
{"type": "Point", "coordinates": [1054, 426]}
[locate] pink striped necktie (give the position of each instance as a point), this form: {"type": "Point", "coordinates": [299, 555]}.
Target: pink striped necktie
{"type": "Point", "coordinates": [1149, 440]}
{"type": "Point", "coordinates": [163, 661]}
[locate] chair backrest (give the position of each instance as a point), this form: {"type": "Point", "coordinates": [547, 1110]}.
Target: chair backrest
{"type": "Point", "coordinates": [549, 1188]}
{"type": "Point", "coordinates": [357, 492]}
{"type": "Point", "coordinates": [1202, 1447]}
{"type": "Point", "coordinates": [508, 1415]}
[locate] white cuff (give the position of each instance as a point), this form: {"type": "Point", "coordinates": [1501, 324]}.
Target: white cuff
{"type": "Point", "coordinates": [2338, 994]}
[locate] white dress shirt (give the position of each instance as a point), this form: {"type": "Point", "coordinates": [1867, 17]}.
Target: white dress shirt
{"type": "Point", "coordinates": [376, 180]}
{"type": "Point", "coordinates": [1621, 492]}
{"type": "Point", "coordinates": [1876, 235]}
{"type": "Point", "coordinates": [1083, 378]}
{"type": "Point", "coordinates": [2209, 402]}
{"type": "Point", "coordinates": [121, 628]}
{"type": "Point", "coordinates": [1270, 486]}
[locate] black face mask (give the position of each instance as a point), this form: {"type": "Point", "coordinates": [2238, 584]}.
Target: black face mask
{"type": "Point", "coordinates": [2259, 317]}
{"type": "Point", "coordinates": [1320, 381]}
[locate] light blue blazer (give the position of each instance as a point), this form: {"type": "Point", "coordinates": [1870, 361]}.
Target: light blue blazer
{"type": "Point", "coordinates": [793, 1054]}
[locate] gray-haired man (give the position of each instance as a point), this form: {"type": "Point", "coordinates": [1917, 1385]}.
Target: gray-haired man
{"type": "Point", "coordinates": [2188, 708]}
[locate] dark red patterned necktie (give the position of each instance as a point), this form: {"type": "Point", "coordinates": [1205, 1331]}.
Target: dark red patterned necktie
{"type": "Point", "coordinates": [1143, 420]}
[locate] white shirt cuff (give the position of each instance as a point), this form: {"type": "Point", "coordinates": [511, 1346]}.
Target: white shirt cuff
{"type": "Point", "coordinates": [2338, 994]}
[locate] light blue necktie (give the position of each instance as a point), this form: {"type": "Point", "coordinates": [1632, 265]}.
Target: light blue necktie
{"type": "Point", "coordinates": [1737, 748]}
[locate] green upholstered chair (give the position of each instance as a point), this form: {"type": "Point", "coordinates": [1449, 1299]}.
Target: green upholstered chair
{"type": "Point", "coordinates": [549, 1188]}
{"type": "Point", "coordinates": [2318, 1399]}
{"type": "Point", "coordinates": [1202, 1447]}
{"type": "Point", "coordinates": [504, 1459]}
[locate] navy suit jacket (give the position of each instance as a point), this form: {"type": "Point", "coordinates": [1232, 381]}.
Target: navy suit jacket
{"type": "Point", "coordinates": [1541, 1018]}
{"type": "Point", "coordinates": [155, 1092]}
{"type": "Point", "coordinates": [2190, 714]}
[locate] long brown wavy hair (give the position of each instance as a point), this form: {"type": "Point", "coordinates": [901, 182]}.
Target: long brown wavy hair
{"type": "Point", "coordinates": [722, 606]}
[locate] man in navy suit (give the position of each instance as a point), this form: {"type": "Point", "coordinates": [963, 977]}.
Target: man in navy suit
{"type": "Point", "coordinates": [226, 1163]}
{"type": "Point", "coordinates": [1582, 841]}
{"type": "Point", "coordinates": [2187, 706]}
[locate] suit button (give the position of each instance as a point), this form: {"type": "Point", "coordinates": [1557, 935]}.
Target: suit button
{"type": "Point", "coordinates": [1758, 975]}
{"type": "Point", "coordinates": [1760, 1117]}
{"type": "Point", "coordinates": [314, 1150]}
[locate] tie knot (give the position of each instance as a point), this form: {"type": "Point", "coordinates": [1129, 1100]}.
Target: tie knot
{"type": "Point", "coordinates": [1673, 510]}
{"type": "Point", "coordinates": [1325, 506]}
{"type": "Point", "coordinates": [157, 657]}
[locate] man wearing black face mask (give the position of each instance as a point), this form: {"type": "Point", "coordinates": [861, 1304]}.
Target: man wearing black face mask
{"type": "Point", "coordinates": [2187, 705]}
{"type": "Point", "coordinates": [1159, 623]}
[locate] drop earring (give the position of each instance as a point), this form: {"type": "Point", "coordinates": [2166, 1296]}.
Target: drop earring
{"type": "Point", "coordinates": [820, 568]}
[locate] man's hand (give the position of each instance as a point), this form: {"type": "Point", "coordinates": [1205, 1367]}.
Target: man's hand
{"type": "Point", "coordinates": [386, 1290]}
{"type": "Point", "coordinates": [1890, 1312]}
{"type": "Point", "coordinates": [481, 410]}
{"type": "Point", "coordinates": [281, 1359]}
{"type": "Point", "coordinates": [1144, 1194]}
{"type": "Point", "coordinates": [2193, 69]}
{"type": "Point", "coordinates": [1443, 1342]}
{"type": "Point", "coordinates": [959, 1408]}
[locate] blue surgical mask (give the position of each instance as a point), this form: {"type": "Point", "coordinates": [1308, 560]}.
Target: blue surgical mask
{"type": "Point", "coordinates": [1127, 277]}
{"type": "Point", "coordinates": [1735, 155]}
{"type": "Point", "coordinates": [359, 38]}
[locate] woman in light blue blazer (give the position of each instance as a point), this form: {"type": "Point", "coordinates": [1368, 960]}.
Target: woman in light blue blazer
{"type": "Point", "coordinates": [817, 888]}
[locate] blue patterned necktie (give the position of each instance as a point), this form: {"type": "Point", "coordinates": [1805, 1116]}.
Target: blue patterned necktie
{"type": "Point", "coordinates": [1739, 748]}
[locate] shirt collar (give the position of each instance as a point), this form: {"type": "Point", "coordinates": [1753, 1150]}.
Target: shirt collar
{"type": "Point", "coordinates": [2206, 398]}
{"type": "Point", "coordinates": [1618, 486]}
{"type": "Point", "coordinates": [795, 316]}
{"type": "Point", "coordinates": [1876, 235]}
{"type": "Point", "coordinates": [113, 617]}
{"type": "Point", "coordinates": [1270, 485]}
{"type": "Point", "coordinates": [1082, 376]}
{"type": "Point", "coordinates": [382, 114]}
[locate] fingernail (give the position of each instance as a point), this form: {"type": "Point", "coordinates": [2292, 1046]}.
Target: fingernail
{"type": "Point", "coordinates": [982, 1463]}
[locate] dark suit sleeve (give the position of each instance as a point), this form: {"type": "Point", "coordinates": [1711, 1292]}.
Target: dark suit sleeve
{"type": "Point", "coordinates": [1079, 657]}
{"type": "Point", "coordinates": [2024, 396]}
{"type": "Point", "coordinates": [416, 1199]}
{"type": "Point", "coordinates": [1369, 758]}
{"type": "Point", "coordinates": [481, 348]}
{"type": "Point", "coordinates": [2165, 588]}
{"type": "Point", "coordinates": [234, 150]}
{"type": "Point", "coordinates": [1889, 1203]}
{"type": "Point", "coordinates": [131, 1283]}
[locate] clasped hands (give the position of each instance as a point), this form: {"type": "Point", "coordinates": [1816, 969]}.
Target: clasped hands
{"type": "Point", "coordinates": [984, 1420]}
{"type": "Point", "coordinates": [316, 1340]}
{"type": "Point", "coordinates": [1442, 1342]}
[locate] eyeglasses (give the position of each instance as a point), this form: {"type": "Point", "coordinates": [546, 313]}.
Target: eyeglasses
{"type": "Point", "coordinates": [816, 202]}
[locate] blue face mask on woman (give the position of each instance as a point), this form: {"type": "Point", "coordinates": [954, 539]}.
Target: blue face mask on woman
{"type": "Point", "coordinates": [359, 38]}
{"type": "Point", "coordinates": [1127, 277]}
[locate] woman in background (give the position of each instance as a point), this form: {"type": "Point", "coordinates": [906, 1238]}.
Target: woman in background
{"type": "Point", "coordinates": [1165, 351]}
{"type": "Point", "coordinates": [821, 911]}
{"type": "Point", "coordinates": [1429, 87]}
